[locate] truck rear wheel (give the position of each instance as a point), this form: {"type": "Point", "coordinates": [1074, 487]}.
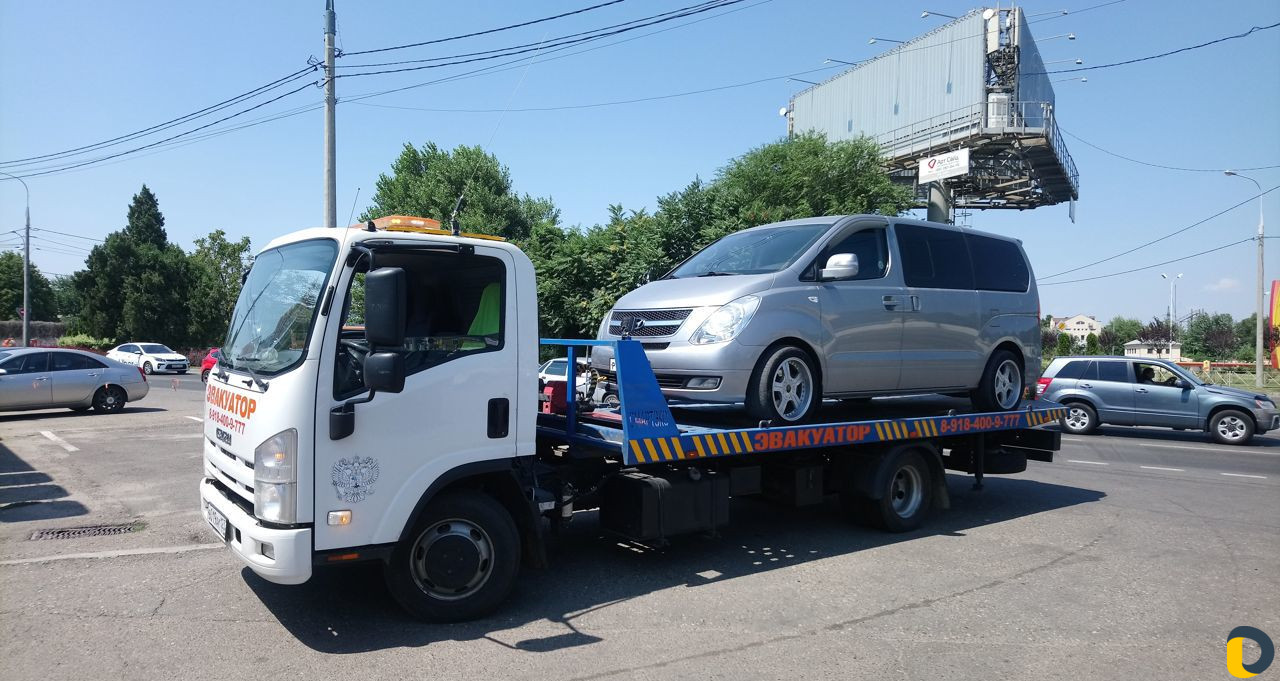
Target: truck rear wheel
{"type": "Point", "coordinates": [905, 498]}
{"type": "Point", "coordinates": [459, 562]}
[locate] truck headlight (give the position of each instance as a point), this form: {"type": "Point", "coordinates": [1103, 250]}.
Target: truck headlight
{"type": "Point", "coordinates": [275, 478]}
{"type": "Point", "coordinates": [725, 323]}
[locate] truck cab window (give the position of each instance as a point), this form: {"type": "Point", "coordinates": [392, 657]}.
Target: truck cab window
{"type": "Point", "coordinates": [454, 309]}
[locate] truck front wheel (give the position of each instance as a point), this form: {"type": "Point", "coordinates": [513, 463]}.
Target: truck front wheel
{"type": "Point", "coordinates": [459, 562]}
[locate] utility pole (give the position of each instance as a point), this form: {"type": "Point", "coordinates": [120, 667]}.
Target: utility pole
{"type": "Point", "coordinates": [330, 113]}
{"type": "Point", "coordinates": [26, 266]}
{"type": "Point", "coordinates": [1262, 233]}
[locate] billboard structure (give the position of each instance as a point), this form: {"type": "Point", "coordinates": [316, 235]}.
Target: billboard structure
{"type": "Point", "coordinates": [971, 96]}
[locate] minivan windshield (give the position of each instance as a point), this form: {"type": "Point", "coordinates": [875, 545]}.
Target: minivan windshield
{"type": "Point", "coordinates": [277, 305]}
{"type": "Point", "coordinates": [758, 251]}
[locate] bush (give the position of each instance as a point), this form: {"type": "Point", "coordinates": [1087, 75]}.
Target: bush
{"type": "Point", "coordinates": [12, 328]}
{"type": "Point", "coordinates": [84, 341]}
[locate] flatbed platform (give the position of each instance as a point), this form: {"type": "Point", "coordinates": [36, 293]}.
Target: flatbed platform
{"type": "Point", "coordinates": [645, 430]}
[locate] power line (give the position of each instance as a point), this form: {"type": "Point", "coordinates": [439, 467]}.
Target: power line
{"type": "Point", "coordinates": [487, 31]}
{"type": "Point", "coordinates": [515, 47]}
{"type": "Point", "coordinates": [77, 236]}
{"type": "Point", "coordinates": [703, 7]}
{"type": "Point", "coordinates": [60, 243]}
{"type": "Point", "coordinates": [1157, 165]}
{"type": "Point", "coordinates": [595, 105]}
{"type": "Point", "coordinates": [1148, 267]}
{"type": "Point", "coordinates": [165, 125]}
{"type": "Point", "coordinates": [1170, 234]}
{"type": "Point", "coordinates": [1246, 34]}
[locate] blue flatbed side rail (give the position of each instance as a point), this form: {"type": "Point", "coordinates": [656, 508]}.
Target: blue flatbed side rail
{"type": "Point", "coordinates": [650, 434]}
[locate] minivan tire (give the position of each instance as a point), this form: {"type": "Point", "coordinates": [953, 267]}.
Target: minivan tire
{"type": "Point", "coordinates": [1080, 419]}
{"type": "Point", "coordinates": [467, 578]}
{"type": "Point", "coordinates": [784, 376]}
{"type": "Point", "coordinates": [1002, 385]}
{"type": "Point", "coordinates": [1231, 427]}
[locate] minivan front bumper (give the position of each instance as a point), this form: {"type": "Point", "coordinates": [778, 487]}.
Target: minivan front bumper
{"type": "Point", "coordinates": [676, 364]}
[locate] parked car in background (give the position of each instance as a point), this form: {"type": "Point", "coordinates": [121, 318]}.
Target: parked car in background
{"type": "Point", "coordinates": [36, 378]}
{"type": "Point", "coordinates": [556, 370]}
{"type": "Point", "coordinates": [207, 364]}
{"type": "Point", "coordinates": [150, 357]}
{"type": "Point", "coordinates": [1127, 391]}
{"type": "Point", "coordinates": [850, 307]}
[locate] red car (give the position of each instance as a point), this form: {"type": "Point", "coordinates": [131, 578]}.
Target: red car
{"type": "Point", "coordinates": [206, 365]}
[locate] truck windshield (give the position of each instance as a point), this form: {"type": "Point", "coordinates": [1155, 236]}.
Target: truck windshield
{"type": "Point", "coordinates": [758, 251]}
{"type": "Point", "coordinates": [272, 321]}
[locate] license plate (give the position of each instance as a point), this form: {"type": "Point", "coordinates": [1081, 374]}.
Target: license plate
{"type": "Point", "coordinates": [613, 365]}
{"type": "Point", "coordinates": [216, 520]}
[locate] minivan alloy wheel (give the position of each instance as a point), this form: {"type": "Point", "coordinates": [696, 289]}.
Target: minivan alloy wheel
{"type": "Point", "coordinates": [792, 388]}
{"type": "Point", "coordinates": [1008, 384]}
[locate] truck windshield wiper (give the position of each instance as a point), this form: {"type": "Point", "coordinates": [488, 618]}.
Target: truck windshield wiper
{"type": "Point", "coordinates": [240, 365]}
{"type": "Point", "coordinates": [713, 273]}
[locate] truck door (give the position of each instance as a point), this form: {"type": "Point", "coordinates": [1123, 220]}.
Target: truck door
{"type": "Point", "coordinates": [459, 397]}
{"type": "Point", "coordinates": [862, 316]}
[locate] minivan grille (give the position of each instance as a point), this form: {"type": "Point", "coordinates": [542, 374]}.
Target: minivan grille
{"type": "Point", "coordinates": [650, 323]}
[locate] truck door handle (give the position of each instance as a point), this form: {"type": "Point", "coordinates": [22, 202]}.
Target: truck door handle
{"type": "Point", "coordinates": [500, 417]}
{"type": "Point", "coordinates": [890, 302]}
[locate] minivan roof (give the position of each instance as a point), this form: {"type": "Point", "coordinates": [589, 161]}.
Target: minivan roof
{"type": "Point", "coordinates": [834, 219]}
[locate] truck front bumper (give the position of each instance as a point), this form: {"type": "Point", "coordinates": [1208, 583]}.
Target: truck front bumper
{"type": "Point", "coordinates": [282, 556]}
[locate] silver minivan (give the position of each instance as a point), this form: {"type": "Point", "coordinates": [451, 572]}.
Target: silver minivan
{"type": "Point", "coordinates": [849, 307]}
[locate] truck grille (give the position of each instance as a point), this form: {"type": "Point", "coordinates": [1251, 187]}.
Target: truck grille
{"type": "Point", "coordinates": [232, 471]}
{"type": "Point", "coordinates": [651, 323]}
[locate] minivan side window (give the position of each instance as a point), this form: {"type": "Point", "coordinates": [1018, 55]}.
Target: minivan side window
{"type": "Point", "coordinates": [872, 248]}
{"type": "Point", "coordinates": [998, 265]}
{"type": "Point", "coordinates": [934, 258]}
{"type": "Point", "coordinates": [1114, 371]}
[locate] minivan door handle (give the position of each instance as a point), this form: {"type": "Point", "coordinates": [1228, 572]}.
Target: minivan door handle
{"type": "Point", "coordinates": [890, 302]}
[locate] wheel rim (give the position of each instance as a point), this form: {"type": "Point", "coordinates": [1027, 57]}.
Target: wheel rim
{"type": "Point", "coordinates": [906, 492]}
{"type": "Point", "coordinates": [109, 399]}
{"type": "Point", "coordinates": [1231, 427]}
{"type": "Point", "coordinates": [452, 559]}
{"type": "Point", "coordinates": [1008, 384]}
{"type": "Point", "coordinates": [792, 388]}
{"type": "Point", "coordinates": [1077, 418]}
{"type": "Point", "coordinates": [146, 368]}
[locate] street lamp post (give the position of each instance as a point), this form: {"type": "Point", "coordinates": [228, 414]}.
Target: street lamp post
{"type": "Point", "coordinates": [1173, 306]}
{"type": "Point", "coordinates": [1262, 231]}
{"type": "Point", "coordinates": [26, 266]}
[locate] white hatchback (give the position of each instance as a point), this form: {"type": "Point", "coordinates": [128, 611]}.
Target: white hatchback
{"type": "Point", "coordinates": [150, 357]}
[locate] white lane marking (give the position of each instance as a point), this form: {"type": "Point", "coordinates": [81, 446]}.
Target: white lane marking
{"type": "Point", "coordinates": [60, 442]}
{"type": "Point", "coordinates": [1162, 468]}
{"type": "Point", "coordinates": [1095, 463]}
{"type": "Point", "coordinates": [1242, 475]}
{"type": "Point", "coordinates": [1201, 449]}
{"type": "Point", "coordinates": [1075, 439]}
{"type": "Point", "coordinates": [194, 418]}
{"type": "Point", "coordinates": [113, 554]}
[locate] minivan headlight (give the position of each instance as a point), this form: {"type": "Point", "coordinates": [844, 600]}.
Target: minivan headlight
{"type": "Point", "coordinates": [275, 478]}
{"type": "Point", "coordinates": [725, 323]}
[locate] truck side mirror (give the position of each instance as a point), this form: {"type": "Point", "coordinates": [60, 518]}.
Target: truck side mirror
{"type": "Point", "coordinates": [384, 372]}
{"type": "Point", "coordinates": [384, 307]}
{"type": "Point", "coordinates": [839, 266]}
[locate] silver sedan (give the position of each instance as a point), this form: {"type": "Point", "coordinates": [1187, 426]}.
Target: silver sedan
{"type": "Point", "coordinates": [40, 378]}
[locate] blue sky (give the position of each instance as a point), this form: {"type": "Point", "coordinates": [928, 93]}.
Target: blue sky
{"type": "Point", "coordinates": [73, 73]}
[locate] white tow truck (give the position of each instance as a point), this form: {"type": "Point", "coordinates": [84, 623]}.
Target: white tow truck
{"type": "Point", "coordinates": [378, 399]}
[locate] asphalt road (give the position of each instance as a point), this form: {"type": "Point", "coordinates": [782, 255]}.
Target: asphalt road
{"type": "Point", "coordinates": [1131, 556]}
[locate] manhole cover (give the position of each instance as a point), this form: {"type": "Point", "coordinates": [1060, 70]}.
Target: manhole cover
{"type": "Point", "coordinates": [90, 531]}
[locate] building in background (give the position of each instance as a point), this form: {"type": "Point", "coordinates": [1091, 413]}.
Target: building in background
{"type": "Point", "coordinates": [1157, 350]}
{"type": "Point", "coordinates": [1077, 326]}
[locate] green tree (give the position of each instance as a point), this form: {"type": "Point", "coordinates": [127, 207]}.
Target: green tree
{"type": "Point", "coordinates": [1124, 328]}
{"type": "Point", "coordinates": [44, 304]}
{"type": "Point", "coordinates": [1157, 331]}
{"type": "Point", "coordinates": [1211, 337]}
{"type": "Point", "coordinates": [135, 283]}
{"type": "Point", "coordinates": [427, 182]}
{"type": "Point", "coordinates": [1091, 345]}
{"type": "Point", "coordinates": [217, 266]}
{"type": "Point", "coordinates": [68, 297]}
{"type": "Point", "coordinates": [1048, 343]}
{"type": "Point", "coordinates": [1066, 344]}
{"type": "Point", "coordinates": [1109, 343]}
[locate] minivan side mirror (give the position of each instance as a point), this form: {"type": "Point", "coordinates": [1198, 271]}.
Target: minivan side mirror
{"type": "Point", "coordinates": [384, 307]}
{"type": "Point", "coordinates": [839, 266]}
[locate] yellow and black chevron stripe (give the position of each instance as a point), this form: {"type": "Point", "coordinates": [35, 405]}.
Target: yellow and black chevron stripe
{"type": "Point", "coordinates": [723, 443]}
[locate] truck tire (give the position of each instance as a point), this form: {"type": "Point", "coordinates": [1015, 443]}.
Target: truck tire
{"type": "Point", "coordinates": [1002, 383]}
{"type": "Point", "coordinates": [1081, 419]}
{"type": "Point", "coordinates": [905, 501]}
{"type": "Point", "coordinates": [785, 387]}
{"type": "Point", "coordinates": [460, 560]}
{"type": "Point", "coordinates": [1231, 427]}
